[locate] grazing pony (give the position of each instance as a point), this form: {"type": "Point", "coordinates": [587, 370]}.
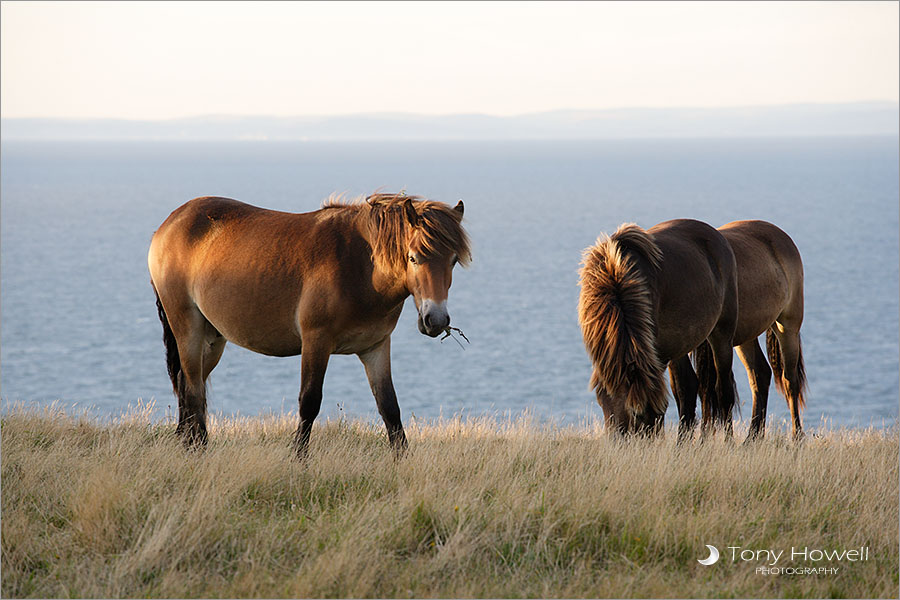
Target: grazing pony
{"type": "Point", "coordinates": [770, 300]}
{"type": "Point", "coordinates": [332, 281]}
{"type": "Point", "coordinates": [648, 298]}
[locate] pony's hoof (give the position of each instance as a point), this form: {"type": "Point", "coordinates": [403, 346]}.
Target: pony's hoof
{"type": "Point", "coordinates": [300, 451]}
{"type": "Point", "coordinates": [194, 443]}
{"type": "Point", "coordinates": [683, 439]}
{"type": "Point", "coordinates": [752, 439]}
{"type": "Point", "coordinates": [401, 452]}
{"type": "Point", "coordinates": [192, 436]}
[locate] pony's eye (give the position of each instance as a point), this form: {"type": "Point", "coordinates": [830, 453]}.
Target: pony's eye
{"type": "Point", "coordinates": [412, 259]}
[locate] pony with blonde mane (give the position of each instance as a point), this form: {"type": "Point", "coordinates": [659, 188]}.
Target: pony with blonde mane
{"type": "Point", "coordinates": [332, 281]}
{"type": "Point", "coordinates": [647, 299]}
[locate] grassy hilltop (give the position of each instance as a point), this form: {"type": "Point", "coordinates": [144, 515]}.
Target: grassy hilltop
{"type": "Point", "coordinates": [476, 509]}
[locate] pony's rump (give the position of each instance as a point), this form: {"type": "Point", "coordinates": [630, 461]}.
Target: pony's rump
{"type": "Point", "coordinates": [615, 310]}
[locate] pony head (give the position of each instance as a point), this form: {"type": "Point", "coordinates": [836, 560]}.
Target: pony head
{"type": "Point", "coordinates": [620, 420]}
{"type": "Point", "coordinates": [419, 242]}
{"type": "Point", "coordinates": [436, 243]}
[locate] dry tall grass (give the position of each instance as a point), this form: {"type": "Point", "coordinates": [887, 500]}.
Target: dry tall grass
{"type": "Point", "coordinates": [476, 509]}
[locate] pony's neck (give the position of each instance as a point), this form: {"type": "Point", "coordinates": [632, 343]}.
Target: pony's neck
{"type": "Point", "coordinates": [390, 285]}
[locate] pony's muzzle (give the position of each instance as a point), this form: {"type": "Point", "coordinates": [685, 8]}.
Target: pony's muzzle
{"type": "Point", "coordinates": [433, 318]}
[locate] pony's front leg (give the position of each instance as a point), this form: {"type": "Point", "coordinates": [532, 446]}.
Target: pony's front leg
{"type": "Point", "coordinates": [377, 362]}
{"type": "Point", "coordinates": [313, 363]}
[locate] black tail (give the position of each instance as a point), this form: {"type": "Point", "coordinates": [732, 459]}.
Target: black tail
{"type": "Point", "coordinates": [773, 349]}
{"type": "Point", "coordinates": [173, 360]}
{"type": "Point", "coordinates": [705, 366]}
{"type": "Point", "coordinates": [706, 378]}
{"type": "Point", "coordinates": [776, 359]}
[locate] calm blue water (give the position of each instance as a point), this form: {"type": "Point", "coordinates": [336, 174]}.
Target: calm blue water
{"type": "Point", "coordinates": [79, 322]}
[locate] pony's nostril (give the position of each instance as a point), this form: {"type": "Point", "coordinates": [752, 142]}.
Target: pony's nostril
{"type": "Point", "coordinates": [432, 321]}
{"type": "Point", "coordinates": [433, 316]}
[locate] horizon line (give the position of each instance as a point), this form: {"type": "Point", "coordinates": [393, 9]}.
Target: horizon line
{"type": "Point", "coordinates": [455, 114]}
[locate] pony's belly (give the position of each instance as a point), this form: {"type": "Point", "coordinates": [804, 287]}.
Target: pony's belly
{"type": "Point", "coordinates": [352, 342]}
{"type": "Point", "coordinates": [276, 350]}
{"type": "Point", "coordinates": [266, 331]}
{"type": "Point", "coordinates": [675, 343]}
{"type": "Point", "coordinates": [271, 346]}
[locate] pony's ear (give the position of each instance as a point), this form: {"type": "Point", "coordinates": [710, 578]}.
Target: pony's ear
{"type": "Point", "coordinates": [460, 207]}
{"type": "Point", "coordinates": [410, 211]}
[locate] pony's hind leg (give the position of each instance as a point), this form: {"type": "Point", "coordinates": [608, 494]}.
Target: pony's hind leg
{"type": "Point", "coordinates": [723, 357]}
{"type": "Point", "coordinates": [786, 355]}
{"type": "Point", "coordinates": [190, 329]}
{"type": "Point", "coordinates": [705, 368]}
{"type": "Point", "coordinates": [684, 387]}
{"type": "Point", "coordinates": [377, 362]}
{"type": "Point", "coordinates": [760, 375]}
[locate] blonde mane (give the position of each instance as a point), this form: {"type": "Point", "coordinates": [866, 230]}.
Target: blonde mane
{"type": "Point", "coordinates": [438, 231]}
{"type": "Point", "coordinates": [616, 313]}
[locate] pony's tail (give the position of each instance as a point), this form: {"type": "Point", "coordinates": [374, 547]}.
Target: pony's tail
{"type": "Point", "coordinates": [705, 367]}
{"type": "Point", "coordinates": [173, 359]}
{"type": "Point", "coordinates": [776, 359]}
{"type": "Point", "coordinates": [615, 311]}
{"type": "Point", "coordinates": [706, 378]}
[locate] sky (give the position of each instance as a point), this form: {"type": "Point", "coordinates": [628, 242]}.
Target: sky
{"type": "Point", "coordinates": [135, 60]}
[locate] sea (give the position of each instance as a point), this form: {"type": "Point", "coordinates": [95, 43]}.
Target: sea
{"type": "Point", "coordinates": [78, 322]}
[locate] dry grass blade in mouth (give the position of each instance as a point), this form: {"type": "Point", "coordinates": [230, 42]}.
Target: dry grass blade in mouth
{"type": "Point", "coordinates": [448, 334]}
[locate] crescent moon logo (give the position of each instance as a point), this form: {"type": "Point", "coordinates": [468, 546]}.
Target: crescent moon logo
{"type": "Point", "coordinates": [713, 556]}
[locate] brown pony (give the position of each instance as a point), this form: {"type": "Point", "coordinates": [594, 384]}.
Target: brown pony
{"type": "Point", "coordinates": [327, 282]}
{"type": "Point", "coordinates": [647, 299]}
{"type": "Point", "coordinates": [770, 299]}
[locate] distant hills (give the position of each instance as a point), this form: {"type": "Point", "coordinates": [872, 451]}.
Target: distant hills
{"type": "Point", "coordinates": [867, 118]}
